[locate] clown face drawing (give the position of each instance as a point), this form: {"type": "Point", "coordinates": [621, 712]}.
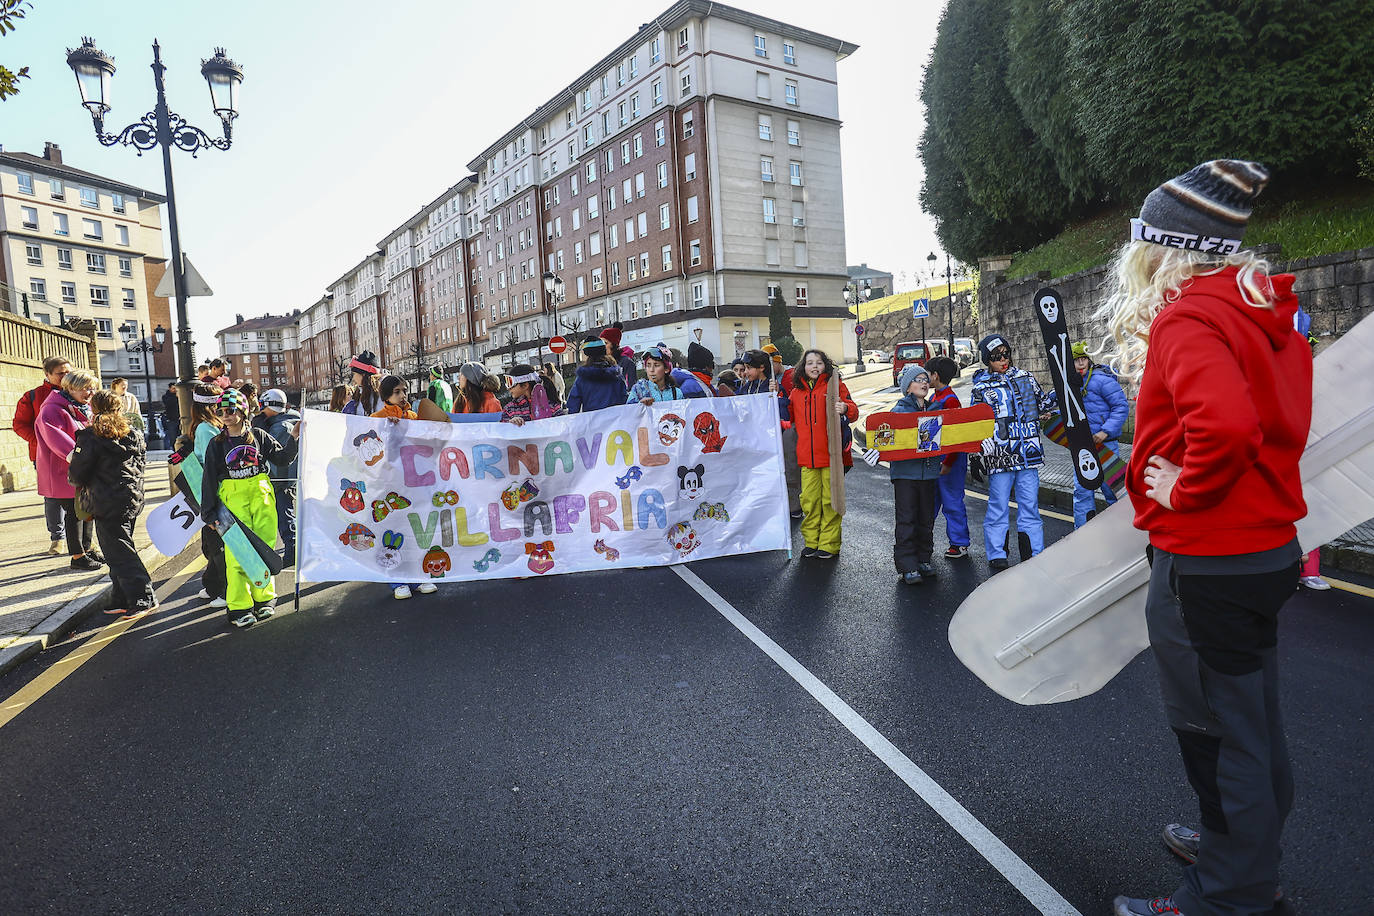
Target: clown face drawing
{"type": "Point", "coordinates": [670, 428]}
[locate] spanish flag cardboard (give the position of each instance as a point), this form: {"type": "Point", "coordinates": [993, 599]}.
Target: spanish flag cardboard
{"type": "Point", "coordinates": [900, 436]}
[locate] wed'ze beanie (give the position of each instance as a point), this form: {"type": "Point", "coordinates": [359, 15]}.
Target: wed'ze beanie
{"type": "Point", "coordinates": [1205, 209]}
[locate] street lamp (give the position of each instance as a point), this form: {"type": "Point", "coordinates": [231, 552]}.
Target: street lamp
{"type": "Point", "coordinates": [949, 297]}
{"type": "Point", "coordinates": [162, 127]}
{"type": "Point", "coordinates": [854, 294]}
{"type": "Point", "coordinates": [553, 295]}
{"type": "Point", "coordinates": [136, 342]}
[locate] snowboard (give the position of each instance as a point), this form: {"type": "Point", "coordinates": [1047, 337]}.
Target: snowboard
{"type": "Point", "coordinates": [1068, 388]}
{"type": "Point", "coordinates": [259, 560]}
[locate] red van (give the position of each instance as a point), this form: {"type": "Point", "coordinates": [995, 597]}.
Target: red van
{"type": "Point", "coordinates": [908, 351]}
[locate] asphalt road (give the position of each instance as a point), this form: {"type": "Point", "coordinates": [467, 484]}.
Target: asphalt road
{"type": "Point", "coordinates": [610, 742]}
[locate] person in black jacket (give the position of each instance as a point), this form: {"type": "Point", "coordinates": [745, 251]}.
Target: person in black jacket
{"type": "Point", "coordinates": [171, 416]}
{"type": "Point", "coordinates": [108, 464]}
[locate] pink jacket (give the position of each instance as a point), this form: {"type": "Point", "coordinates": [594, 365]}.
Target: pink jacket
{"type": "Point", "coordinates": [58, 420]}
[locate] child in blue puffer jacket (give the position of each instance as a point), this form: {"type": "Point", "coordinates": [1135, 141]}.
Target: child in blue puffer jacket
{"type": "Point", "coordinates": [600, 382]}
{"type": "Point", "coordinates": [1105, 404]}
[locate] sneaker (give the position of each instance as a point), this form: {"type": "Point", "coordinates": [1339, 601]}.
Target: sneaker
{"type": "Point", "coordinates": [144, 607]}
{"type": "Point", "coordinates": [1153, 906]}
{"type": "Point", "coordinates": [826, 555]}
{"type": "Point", "coordinates": [911, 578]}
{"type": "Point", "coordinates": [1182, 841]}
{"type": "Point", "coordinates": [219, 602]}
{"type": "Point", "coordinates": [955, 552]}
{"type": "Point", "coordinates": [55, 548]}
{"type": "Point", "coordinates": [998, 564]}
{"type": "Point", "coordinates": [246, 620]}
{"type": "Point", "coordinates": [86, 562]}
{"type": "Point", "coordinates": [426, 588]}
{"type": "Point", "coordinates": [401, 592]}
{"type": "Point", "coordinates": [264, 611]}
{"type": "Point", "coordinates": [808, 552]}
{"type": "Point", "coordinates": [203, 595]}
{"type": "Point", "coordinates": [1317, 583]}
{"type": "Point", "coordinates": [925, 570]}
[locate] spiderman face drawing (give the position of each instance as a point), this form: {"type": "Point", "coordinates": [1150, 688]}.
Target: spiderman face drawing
{"type": "Point", "coordinates": [707, 428]}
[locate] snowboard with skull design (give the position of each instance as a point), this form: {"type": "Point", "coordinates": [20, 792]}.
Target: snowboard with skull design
{"type": "Point", "coordinates": [1068, 389]}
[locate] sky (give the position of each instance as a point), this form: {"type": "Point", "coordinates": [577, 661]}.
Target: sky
{"type": "Point", "coordinates": [355, 115]}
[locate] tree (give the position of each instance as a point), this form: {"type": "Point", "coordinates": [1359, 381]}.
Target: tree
{"type": "Point", "coordinates": [780, 329]}
{"type": "Point", "coordinates": [10, 11]}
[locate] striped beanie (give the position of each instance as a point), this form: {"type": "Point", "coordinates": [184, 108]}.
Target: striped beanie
{"type": "Point", "coordinates": [1205, 209]}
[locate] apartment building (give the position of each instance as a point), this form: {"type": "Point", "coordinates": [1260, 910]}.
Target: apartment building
{"type": "Point", "coordinates": [677, 186]}
{"type": "Point", "coordinates": [79, 245]}
{"type": "Point", "coordinates": [263, 350]}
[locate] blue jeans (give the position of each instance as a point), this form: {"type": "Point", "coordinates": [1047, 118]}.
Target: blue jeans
{"type": "Point", "coordinates": [52, 514]}
{"type": "Point", "coordinates": [949, 498]}
{"type": "Point", "coordinates": [1084, 500]}
{"type": "Point", "coordinates": [1026, 486]}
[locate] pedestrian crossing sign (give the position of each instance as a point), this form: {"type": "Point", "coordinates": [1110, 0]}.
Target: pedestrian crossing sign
{"type": "Point", "coordinates": [920, 308]}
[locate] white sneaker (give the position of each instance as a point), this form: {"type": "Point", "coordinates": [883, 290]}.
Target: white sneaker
{"type": "Point", "coordinates": [1317, 583]}
{"type": "Point", "coordinates": [219, 602]}
{"type": "Point", "coordinates": [203, 595]}
{"type": "Point", "coordinates": [55, 548]}
{"type": "Point", "coordinates": [427, 588]}
{"type": "Point", "coordinates": [401, 592]}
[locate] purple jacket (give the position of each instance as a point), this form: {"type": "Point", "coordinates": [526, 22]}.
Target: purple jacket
{"type": "Point", "coordinates": [58, 420]}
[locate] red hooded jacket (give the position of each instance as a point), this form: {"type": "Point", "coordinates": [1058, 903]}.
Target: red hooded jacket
{"type": "Point", "coordinates": [1227, 396]}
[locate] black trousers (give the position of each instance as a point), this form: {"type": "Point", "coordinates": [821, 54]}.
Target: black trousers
{"type": "Point", "coordinates": [915, 502]}
{"type": "Point", "coordinates": [78, 532]}
{"type": "Point", "coordinates": [132, 584]}
{"type": "Point", "coordinates": [215, 579]}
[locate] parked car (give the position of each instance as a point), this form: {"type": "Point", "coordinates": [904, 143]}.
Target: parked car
{"type": "Point", "coordinates": [964, 352]}
{"type": "Point", "coordinates": [908, 351]}
{"type": "Point", "coordinates": [876, 356]}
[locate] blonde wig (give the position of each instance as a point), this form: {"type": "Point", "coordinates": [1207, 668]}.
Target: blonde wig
{"type": "Point", "coordinates": [1145, 278]}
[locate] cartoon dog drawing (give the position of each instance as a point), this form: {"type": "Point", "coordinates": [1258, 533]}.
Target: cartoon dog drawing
{"type": "Point", "coordinates": [491, 556]}
{"type": "Point", "coordinates": [670, 427]}
{"type": "Point", "coordinates": [707, 428]}
{"type": "Point", "coordinates": [682, 538]}
{"type": "Point", "coordinates": [436, 562]}
{"type": "Point", "coordinates": [689, 481]}
{"type": "Point", "coordinates": [541, 556]}
{"type": "Point", "coordinates": [610, 553]}
{"type": "Point", "coordinates": [369, 446]}
{"type": "Point", "coordinates": [390, 555]}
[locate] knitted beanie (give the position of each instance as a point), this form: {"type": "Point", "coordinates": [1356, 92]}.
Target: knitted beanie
{"type": "Point", "coordinates": [698, 357]}
{"type": "Point", "coordinates": [988, 344]}
{"type": "Point", "coordinates": [1080, 350]}
{"type": "Point", "coordinates": [910, 373]}
{"type": "Point", "coordinates": [1205, 209]}
{"type": "Point", "coordinates": [235, 400]}
{"type": "Point", "coordinates": [365, 362]}
{"type": "Point", "coordinates": [612, 336]}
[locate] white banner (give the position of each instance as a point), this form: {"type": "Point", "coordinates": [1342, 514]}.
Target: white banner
{"type": "Point", "coordinates": [418, 501]}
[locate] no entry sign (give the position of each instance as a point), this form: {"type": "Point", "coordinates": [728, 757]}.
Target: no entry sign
{"type": "Point", "coordinates": [557, 344]}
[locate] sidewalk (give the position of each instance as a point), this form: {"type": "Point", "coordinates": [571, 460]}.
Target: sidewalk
{"type": "Point", "coordinates": [41, 597]}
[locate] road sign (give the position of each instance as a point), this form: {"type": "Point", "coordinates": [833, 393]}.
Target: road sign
{"type": "Point", "coordinates": [557, 344]}
{"type": "Point", "coordinates": [195, 283]}
{"type": "Point", "coordinates": [858, 330]}
{"type": "Point", "coordinates": [920, 308]}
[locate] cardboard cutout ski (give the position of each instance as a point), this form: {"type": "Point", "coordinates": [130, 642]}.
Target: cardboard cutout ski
{"type": "Point", "coordinates": [1062, 625]}
{"type": "Point", "coordinates": [259, 560]}
{"type": "Point", "coordinates": [1068, 388]}
{"type": "Point", "coordinates": [1113, 468]}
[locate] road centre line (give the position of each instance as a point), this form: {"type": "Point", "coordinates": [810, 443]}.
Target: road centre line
{"type": "Point", "coordinates": [1043, 511]}
{"type": "Point", "coordinates": [1031, 886]}
{"type": "Point", "coordinates": [34, 689]}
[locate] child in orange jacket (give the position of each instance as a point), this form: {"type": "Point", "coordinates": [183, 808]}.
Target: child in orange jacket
{"type": "Point", "coordinates": [816, 395]}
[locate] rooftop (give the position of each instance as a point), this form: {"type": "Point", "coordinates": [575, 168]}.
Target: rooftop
{"type": "Point", "coordinates": [261, 323]}
{"type": "Point", "coordinates": [29, 161]}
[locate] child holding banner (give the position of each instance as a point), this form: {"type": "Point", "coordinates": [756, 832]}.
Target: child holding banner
{"type": "Point", "coordinates": [816, 403]}
{"type": "Point", "coordinates": [532, 396]}
{"type": "Point", "coordinates": [476, 390]}
{"type": "Point", "coordinates": [395, 409]}
{"type": "Point", "coordinates": [914, 493]}
{"type": "Point", "coordinates": [597, 379]}
{"type": "Point", "coordinates": [949, 491]}
{"type": "Point", "coordinates": [658, 384]}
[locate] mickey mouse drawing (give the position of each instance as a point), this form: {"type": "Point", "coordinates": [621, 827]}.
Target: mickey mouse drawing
{"type": "Point", "coordinates": [689, 481]}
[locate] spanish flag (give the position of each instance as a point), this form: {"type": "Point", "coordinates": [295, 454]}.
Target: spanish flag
{"type": "Point", "coordinates": [900, 436]}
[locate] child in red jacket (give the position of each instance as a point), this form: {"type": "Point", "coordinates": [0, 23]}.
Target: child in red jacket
{"type": "Point", "coordinates": [817, 394]}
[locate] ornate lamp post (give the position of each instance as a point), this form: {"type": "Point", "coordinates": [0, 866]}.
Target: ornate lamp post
{"type": "Point", "coordinates": [553, 295]}
{"type": "Point", "coordinates": [136, 342]}
{"type": "Point", "coordinates": [949, 296]}
{"type": "Point", "coordinates": [162, 127]}
{"type": "Point", "coordinates": [856, 293]}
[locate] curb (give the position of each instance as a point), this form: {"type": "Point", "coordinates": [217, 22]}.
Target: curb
{"type": "Point", "coordinates": [89, 601]}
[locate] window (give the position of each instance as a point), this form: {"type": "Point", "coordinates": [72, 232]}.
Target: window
{"type": "Point", "coordinates": [605, 123]}
{"type": "Point", "coordinates": [95, 262]}
{"type": "Point", "coordinates": [770, 210]}
{"type": "Point", "coordinates": [628, 189]}
{"type": "Point", "coordinates": [593, 206]}
{"type": "Point", "coordinates": [801, 294]}
{"type": "Point", "coordinates": [667, 259]}
{"type": "Point", "coordinates": [634, 105]}
{"type": "Point", "coordinates": [615, 273]}
{"type": "Point", "coordinates": [634, 303]}
{"type": "Point", "coordinates": [765, 127]}
{"type": "Point", "coordinates": [577, 219]}
{"type": "Point", "coordinates": [789, 53]}
{"type": "Point", "coordinates": [629, 230]}
{"type": "Point", "coordinates": [774, 292]}
{"type": "Point", "coordinates": [64, 258]}
{"type": "Point", "coordinates": [613, 236]}
{"type": "Point", "coordinates": [577, 252]}
{"type": "Point", "coordinates": [587, 136]}
{"type": "Point", "coordinates": [794, 173]}
{"type": "Point", "coordinates": [56, 190]}
{"type": "Point", "coordinates": [128, 298]}
{"type": "Point", "coordinates": [772, 253]}
{"type": "Point", "coordinates": [591, 170]}
{"type": "Point", "coordinates": [799, 253]}
{"type": "Point", "coordinates": [610, 198]}
{"type": "Point", "coordinates": [619, 75]}
{"type": "Point", "coordinates": [123, 234]}
{"type": "Point", "coordinates": [694, 251]}
{"type": "Point", "coordinates": [689, 167]}
{"type": "Point", "coordinates": [798, 213]}
{"type": "Point", "coordinates": [664, 216]}
{"type": "Point", "coordinates": [605, 86]}
{"type": "Point", "coordinates": [659, 138]}
{"type": "Point", "coordinates": [632, 268]}
{"type": "Point", "coordinates": [623, 112]}
{"type": "Point", "coordinates": [643, 221]}
{"type": "Point", "coordinates": [558, 227]}
{"type": "Point", "coordinates": [59, 224]}
{"type": "Point", "coordinates": [100, 295]}
{"type": "Point", "coordinates": [581, 286]}
{"type": "Point", "coordinates": [794, 133]}
{"type": "Point", "coordinates": [560, 259]}
{"type": "Point", "coordinates": [657, 89]}
{"type": "Point", "coordinates": [29, 216]}
{"type": "Point", "coordinates": [692, 209]}
{"type": "Point", "coordinates": [104, 327]}
{"type": "Point", "coordinates": [90, 198]}
{"type": "Point", "coordinates": [25, 182]}
{"type": "Point", "coordinates": [663, 174]}
{"type": "Point", "coordinates": [682, 39]}
{"type": "Point", "coordinates": [34, 253]}
{"type": "Point", "coordinates": [687, 128]}
{"type": "Point", "coordinates": [763, 86]}
{"type": "Point", "coordinates": [118, 201]}
{"type": "Point", "coordinates": [790, 91]}
{"type": "Point", "coordinates": [586, 100]}
{"type": "Point", "coordinates": [639, 145]}
{"type": "Point", "coordinates": [68, 293]}
{"type": "Point", "coordinates": [698, 295]}
{"type": "Point", "coordinates": [669, 299]}
{"type": "Point", "coordinates": [38, 290]}
{"type": "Point", "coordinates": [766, 168]}
{"type": "Point", "coordinates": [572, 179]}
{"type": "Point", "coordinates": [685, 84]}
{"type": "Point", "coordinates": [644, 265]}
{"type": "Point", "coordinates": [639, 185]}
{"type": "Point", "coordinates": [760, 46]}
{"type": "Point", "coordinates": [92, 229]}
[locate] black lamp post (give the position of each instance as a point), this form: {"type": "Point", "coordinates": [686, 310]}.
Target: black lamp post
{"type": "Point", "coordinates": [856, 293]}
{"type": "Point", "coordinates": [136, 342]}
{"type": "Point", "coordinates": [163, 127]}
{"type": "Point", "coordinates": [553, 295]}
{"type": "Point", "coordinates": [949, 295]}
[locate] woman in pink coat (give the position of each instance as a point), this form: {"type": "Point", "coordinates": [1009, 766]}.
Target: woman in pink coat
{"type": "Point", "coordinates": [62, 414]}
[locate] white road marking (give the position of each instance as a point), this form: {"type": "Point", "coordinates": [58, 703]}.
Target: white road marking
{"type": "Point", "coordinates": [1031, 886]}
